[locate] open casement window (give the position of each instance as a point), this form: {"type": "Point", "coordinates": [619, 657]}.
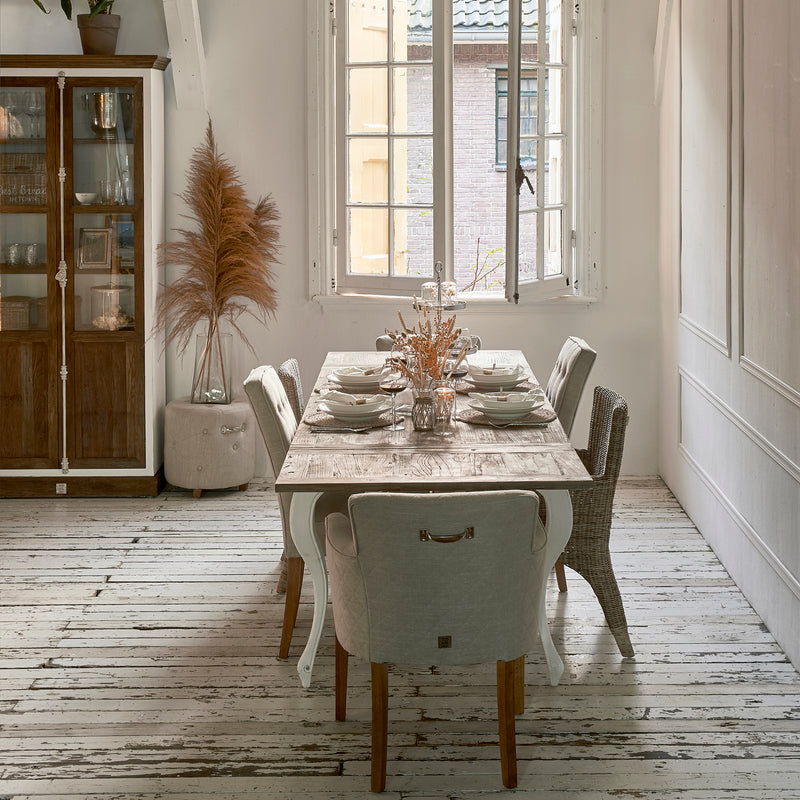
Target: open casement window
{"type": "Point", "coordinates": [408, 162]}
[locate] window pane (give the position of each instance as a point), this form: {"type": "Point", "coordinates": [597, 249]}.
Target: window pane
{"type": "Point", "coordinates": [367, 32]}
{"type": "Point", "coordinates": [413, 171]}
{"type": "Point", "coordinates": [368, 237]}
{"type": "Point", "coordinates": [411, 30]}
{"type": "Point", "coordinates": [553, 261]}
{"type": "Point", "coordinates": [555, 32]}
{"type": "Point", "coordinates": [555, 102]}
{"type": "Point", "coordinates": [368, 171]}
{"type": "Point", "coordinates": [368, 109]}
{"type": "Point", "coordinates": [413, 100]}
{"type": "Point", "coordinates": [413, 242]}
{"type": "Point", "coordinates": [528, 224]}
{"type": "Point", "coordinates": [554, 172]}
{"type": "Point", "coordinates": [480, 110]}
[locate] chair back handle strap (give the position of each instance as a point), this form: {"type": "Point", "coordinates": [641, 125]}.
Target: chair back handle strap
{"type": "Point", "coordinates": [467, 533]}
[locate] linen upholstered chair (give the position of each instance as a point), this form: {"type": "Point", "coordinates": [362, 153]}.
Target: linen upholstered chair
{"type": "Point", "coordinates": [587, 550]}
{"type": "Point", "coordinates": [436, 579]}
{"type": "Point", "coordinates": [289, 374]}
{"type": "Point", "coordinates": [566, 382]}
{"type": "Point", "coordinates": [277, 422]}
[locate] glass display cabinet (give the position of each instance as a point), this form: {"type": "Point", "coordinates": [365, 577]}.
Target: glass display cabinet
{"type": "Point", "coordinates": [81, 216]}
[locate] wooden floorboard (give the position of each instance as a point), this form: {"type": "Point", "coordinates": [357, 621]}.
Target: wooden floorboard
{"type": "Point", "coordinates": [137, 660]}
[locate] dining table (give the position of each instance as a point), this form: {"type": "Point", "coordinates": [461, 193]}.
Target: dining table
{"type": "Point", "coordinates": [476, 457]}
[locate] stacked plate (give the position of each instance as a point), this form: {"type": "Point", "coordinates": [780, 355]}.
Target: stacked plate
{"type": "Point", "coordinates": [496, 377]}
{"type": "Point", "coordinates": [357, 379]}
{"type": "Point", "coordinates": [506, 406]}
{"type": "Point", "coordinates": [355, 409]}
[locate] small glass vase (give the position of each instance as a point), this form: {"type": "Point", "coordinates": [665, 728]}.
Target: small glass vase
{"type": "Point", "coordinates": [211, 382]}
{"type": "Point", "coordinates": [423, 411]}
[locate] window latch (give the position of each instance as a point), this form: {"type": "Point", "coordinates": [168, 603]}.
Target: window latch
{"type": "Point", "coordinates": [520, 177]}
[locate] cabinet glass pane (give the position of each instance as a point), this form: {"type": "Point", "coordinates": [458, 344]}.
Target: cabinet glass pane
{"type": "Point", "coordinates": [23, 272]}
{"type": "Point", "coordinates": [103, 152]}
{"type": "Point", "coordinates": [22, 146]}
{"type": "Point", "coordinates": [103, 285]}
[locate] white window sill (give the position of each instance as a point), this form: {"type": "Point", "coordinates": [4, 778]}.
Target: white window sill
{"type": "Point", "coordinates": [484, 305]}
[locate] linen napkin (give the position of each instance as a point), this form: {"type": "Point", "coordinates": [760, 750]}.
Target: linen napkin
{"type": "Point", "coordinates": [503, 369]}
{"type": "Point", "coordinates": [345, 399]}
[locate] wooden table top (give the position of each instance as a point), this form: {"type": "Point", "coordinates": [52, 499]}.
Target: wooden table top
{"type": "Point", "coordinates": [477, 457]}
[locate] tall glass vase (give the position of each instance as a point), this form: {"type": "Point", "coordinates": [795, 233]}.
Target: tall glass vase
{"type": "Point", "coordinates": [212, 368]}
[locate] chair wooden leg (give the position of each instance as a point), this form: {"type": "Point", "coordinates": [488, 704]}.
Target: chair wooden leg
{"type": "Point", "coordinates": [380, 725]}
{"type": "Point", "coordinates": [519, 685]}
{"type": "Point", "coordinates": [561, 578]}
{"type": "Point", "coordinates": [341, 661]}
{"type": "Point", "coordinates": [505, 715]}
{"type": "Point", "coordinates": [294, 582]}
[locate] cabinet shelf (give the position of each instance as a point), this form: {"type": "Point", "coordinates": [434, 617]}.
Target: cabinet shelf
{"type": "Point", "coordinates": [35, 269]}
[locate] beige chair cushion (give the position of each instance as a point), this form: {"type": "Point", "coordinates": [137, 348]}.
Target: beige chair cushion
{"type": "Point", "coordinates": [565, 386]}
{"type": "Point", "coordinates": [395, 598]}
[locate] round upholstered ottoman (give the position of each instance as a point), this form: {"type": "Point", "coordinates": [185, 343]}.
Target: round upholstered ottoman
{"type": "Point", "coordinates": [209, 446]}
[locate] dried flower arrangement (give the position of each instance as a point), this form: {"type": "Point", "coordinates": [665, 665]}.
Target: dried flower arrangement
{"type": "Point", "coordinates": [428, 343]}
{"type": "Point", "coordinates": [228, 260]}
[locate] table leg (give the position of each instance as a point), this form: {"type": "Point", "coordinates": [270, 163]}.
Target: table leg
{"type": "Point", "coordinates": [559, 529]}
{"type": "Point", "coordinates": [301, 523]}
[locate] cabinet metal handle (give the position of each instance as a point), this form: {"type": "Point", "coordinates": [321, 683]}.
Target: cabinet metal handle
{"type": "Point", "coordinates": [233, 429]}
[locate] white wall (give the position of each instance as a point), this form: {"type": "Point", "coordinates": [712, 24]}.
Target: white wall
{"type": "Point", "coordinates": [730, 247]}
{"type": "Point", "coordinates": [255, 53]}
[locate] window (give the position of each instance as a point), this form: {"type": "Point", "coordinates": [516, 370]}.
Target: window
{"type": "Point", "coordinates": [413, 106]}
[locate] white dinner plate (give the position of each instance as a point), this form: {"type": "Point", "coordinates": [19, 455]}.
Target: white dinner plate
{"type": "Point", "coordinates": [368, 383]}
{"type": "Point", "coordinates": [353, 415]}
{"type": "Point", "coordinates": [509, 401]}
{"type": "Point", "coordinates": [499, 376]}
{"type": "Point", "coordinates": [506, 415]}
{"type": "Point", "coordinates": [348, 403]}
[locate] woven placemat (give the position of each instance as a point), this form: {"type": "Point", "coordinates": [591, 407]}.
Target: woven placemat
{"type": "Point", "coordinates": [323, 420]}
{"type": "Point", "coordinates": [539, 416]}
{"type": "Point", "coordinates": [464, 387]}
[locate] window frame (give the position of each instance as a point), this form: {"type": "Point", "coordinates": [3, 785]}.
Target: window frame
{"type": "Point", "coordinates": [583, 231]}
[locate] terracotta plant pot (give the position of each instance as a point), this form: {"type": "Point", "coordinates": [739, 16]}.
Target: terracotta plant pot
{"type": "Point", "coordinates": [98, 33]}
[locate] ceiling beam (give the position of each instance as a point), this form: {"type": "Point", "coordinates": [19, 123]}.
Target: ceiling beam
{"type": "Point", "coordinates": [186, 51]}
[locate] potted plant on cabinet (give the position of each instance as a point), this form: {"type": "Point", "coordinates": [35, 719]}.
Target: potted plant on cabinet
{"type": "Point", "coordinates": [98, 28]}
{"type": "Point", "coordinates": [228, 255]}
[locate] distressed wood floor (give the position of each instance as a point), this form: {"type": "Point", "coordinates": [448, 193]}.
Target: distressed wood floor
{"type": "Point", "coordinates": [137, 660]}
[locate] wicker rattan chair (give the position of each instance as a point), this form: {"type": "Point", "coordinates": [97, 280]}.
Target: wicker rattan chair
{"type": "Point", "coordinates": [289, 374]}
{"type": "Point", "coordinates": [587, 550]}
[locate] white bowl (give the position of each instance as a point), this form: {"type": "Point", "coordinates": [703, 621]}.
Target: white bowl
{"type": "Point", "coordinates": [497, 379]}
{"type": "Point", "coordinates": [86, 198]}
{"type": "Point", "coordinates": [509, 402]}
{"type": "Point", "coordinates": [358, 375]}
{"type": "Point", "coordinates": [355, 403]}
{"type": "Point", "coordinates": [355, 414]}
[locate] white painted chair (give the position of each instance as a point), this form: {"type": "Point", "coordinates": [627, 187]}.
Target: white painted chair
{"type": "Point", "coordinates": [437, 579]}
